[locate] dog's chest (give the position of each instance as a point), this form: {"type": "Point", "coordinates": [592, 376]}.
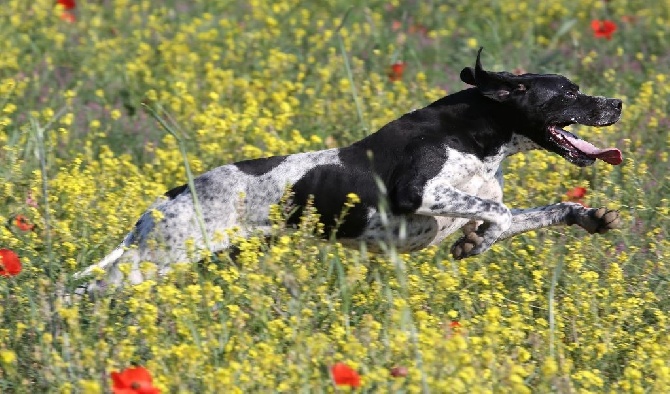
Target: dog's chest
{"type": "Point", "coordinates": [468, 173]}
{"type": "Point", "coordinates": [462, 171]}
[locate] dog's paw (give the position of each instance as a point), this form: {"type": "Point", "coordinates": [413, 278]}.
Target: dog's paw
{"type": "Point", "coordinates": [469, 227]}
{"type": "Point", "coordinates": [468, 245]}
{"type": "Point", "coordinates": [603, 220]}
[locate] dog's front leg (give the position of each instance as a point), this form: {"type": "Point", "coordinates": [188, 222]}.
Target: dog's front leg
{"type": "Point", "coordinates": [593, 220]}
{"type": "Point", "coordinates": [441, 199]}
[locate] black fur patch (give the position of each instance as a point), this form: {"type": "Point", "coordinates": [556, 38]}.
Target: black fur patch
{"type": "Point", "coordinates": [259, 166]}
{"type": "Point", "coordinates": [437, 206]}
{"type": "Point", "coordinates": [330, 184]}
{"type": "Point", "coordinates": [174, 192]}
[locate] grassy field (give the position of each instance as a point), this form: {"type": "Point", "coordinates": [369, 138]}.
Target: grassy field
{"type": "Point", "coordinates": [555, 310]}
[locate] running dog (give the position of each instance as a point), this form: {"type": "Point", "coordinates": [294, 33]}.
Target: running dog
{"type": "Point", "coordinates": [438, 169]}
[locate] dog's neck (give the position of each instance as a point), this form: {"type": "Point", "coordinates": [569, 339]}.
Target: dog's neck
{"type": "Point", "coordinates": [464, 121]}
{"type": "Point", "coordinates": [518, 144]}
{"type": "Point", "coordinates": [491, 132]}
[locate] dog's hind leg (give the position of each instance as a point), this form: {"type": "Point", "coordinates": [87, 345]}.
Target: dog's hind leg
{"type": "Point", "coordinates": [593, 220]}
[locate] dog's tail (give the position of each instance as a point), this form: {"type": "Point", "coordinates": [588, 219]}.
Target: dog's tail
{"type": "Point", "coordinates": [105, 264]}
{"type": "Point", "coordinates": [108, 260]}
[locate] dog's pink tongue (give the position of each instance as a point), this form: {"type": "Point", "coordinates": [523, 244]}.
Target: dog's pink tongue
{"type": "Point", "coordinates": [611, 156]}
{"type": "Point", "coordinates": [608, 155]}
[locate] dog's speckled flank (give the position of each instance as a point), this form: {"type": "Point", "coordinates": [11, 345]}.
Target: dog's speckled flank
{"type": "Point", "coordinates": [439, 168]}
{"type": "Point", "coordinates": [236, 195]}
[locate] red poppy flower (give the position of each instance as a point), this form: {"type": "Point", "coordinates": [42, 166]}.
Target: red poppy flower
{"type": "Point", "coordinates": [344, 375]}
{"type": "Point", "coordinates": [603, 29]}
{"type": "Point", "coordinates": [397, 69]}
{"type": "Point", "coordinates": [135, 380]}
{"type": "Point", "coordinates": [67, 4]}
{"type": "Point", "coordinates": [399, 372]}
{"type": "Point", "coordinates": [68, 14]}
{"type": "Point", "coordinates": [454, 329]}
{"type": "Point", "coordinates": [576, 192]}
{"type": "Point", "coordinates": [9, 263]}
{"type": "Point", "coordinates": [22, 223]}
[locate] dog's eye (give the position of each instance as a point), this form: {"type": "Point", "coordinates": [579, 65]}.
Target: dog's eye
{"type": "Point", "coordinates": [571, 94]}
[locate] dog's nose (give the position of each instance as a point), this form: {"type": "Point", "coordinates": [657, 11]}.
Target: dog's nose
{"type": "Point", "coordinates": [618, 104]}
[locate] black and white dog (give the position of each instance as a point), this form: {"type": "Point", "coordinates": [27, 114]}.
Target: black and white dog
{"type": "Point", "coordinates": [439, 166]}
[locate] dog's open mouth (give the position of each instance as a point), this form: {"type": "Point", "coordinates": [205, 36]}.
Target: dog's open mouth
{"type": "Point", "coordinates": [578, 149]}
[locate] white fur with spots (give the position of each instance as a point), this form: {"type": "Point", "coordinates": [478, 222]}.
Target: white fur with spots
{"type": "Point", "coordinates": [223, 209]}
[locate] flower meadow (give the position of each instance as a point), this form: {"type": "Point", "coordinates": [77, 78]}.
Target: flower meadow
{"type": "Point", "coordinates": [555, 310]}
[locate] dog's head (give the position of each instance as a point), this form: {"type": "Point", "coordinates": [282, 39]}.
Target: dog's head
{"type": "Point", "coordinates": [543, 105]}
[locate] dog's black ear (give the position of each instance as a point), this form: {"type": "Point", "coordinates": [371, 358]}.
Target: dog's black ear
{"type": "Point", "coordinates": [470, 76]}
{"type": "Point", "coordinates": [496, 86]}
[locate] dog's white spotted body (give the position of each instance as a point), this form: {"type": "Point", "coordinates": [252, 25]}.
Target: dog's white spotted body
{"type": "Point", "coordinates": [229, 198]}
{"type": "Point", "coordinates": [439, 167]}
